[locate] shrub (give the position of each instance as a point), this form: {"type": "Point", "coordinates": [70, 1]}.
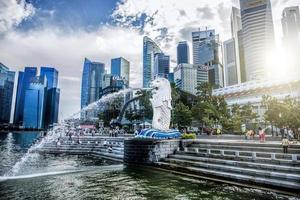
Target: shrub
{"type": "Point", "coordinates": [188, 136]}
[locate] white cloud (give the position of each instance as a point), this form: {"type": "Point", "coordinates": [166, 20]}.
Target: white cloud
{"type": "Point", "coordinates": [172, 21]}
{"type": "Point", "coordinates": [13, 12]}
{"type": "Point", "coordinates": [50, 47]}
{"type": "Point", "coordinates": [168, 22]}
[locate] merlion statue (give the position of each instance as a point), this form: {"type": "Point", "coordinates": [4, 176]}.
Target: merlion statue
{"type": "Point", "coordinates": [161, 105]}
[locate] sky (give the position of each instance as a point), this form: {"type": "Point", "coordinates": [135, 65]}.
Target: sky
{"type": "Point", "coordinates": [61, 33]}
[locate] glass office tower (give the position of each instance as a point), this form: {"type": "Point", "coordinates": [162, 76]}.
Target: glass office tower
{"type": "Point", "coordinates": [121, 67]}
{"type": "Point", "coordinates": [150, 48]}
{"type": "Point", "coordinates": [53, 93]}
{"type": "Point", "coordinates": [23, 84]}
{"type": "Point", "coordinates": [7, 79]}
{"type": "Point", "coordinates": [35, 103]}
{"type": "Point", "coordinates": [161, 65]}
{"type": "Point", "coordinates": [258, 36]}
{"type": "Point", "coordinates": [207, 51]}
{"type": "Point", "coordinates": [92, 81]}
{"type": "Point", "coordinates": [183, 52]}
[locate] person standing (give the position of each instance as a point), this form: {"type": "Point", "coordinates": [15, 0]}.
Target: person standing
{"type": "Point", "coordinates": [282, 132]}
{"type": "Point", "coordinates": [285, 145]}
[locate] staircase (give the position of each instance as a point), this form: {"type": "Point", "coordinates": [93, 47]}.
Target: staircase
{"type": "Point", "coordinates": [89, 145]}
{"type": "Point", "coordinates": [246, 163]}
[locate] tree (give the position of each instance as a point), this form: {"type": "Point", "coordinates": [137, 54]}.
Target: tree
{"type": "Point", "coordinates": [182, 115]}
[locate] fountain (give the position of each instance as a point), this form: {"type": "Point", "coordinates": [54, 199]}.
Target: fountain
{"type": "Point", "coordinates": [161, 104]}
{"type": "Point", "coordinates": [32, 156]}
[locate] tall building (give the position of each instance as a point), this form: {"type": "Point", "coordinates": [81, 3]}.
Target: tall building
{"type": "Point", "coordinates": [35, 103]}
{"type": "Point", "coordinates": [161, 65]}
{"type": "Point", "coordinates": [230, 63]}
{"type": "Point", "coordinates": [7, 79]}
{"type": "Point", "coordinates": [92, 81]}
{"type": "Point", "coordinates": [23, 84]}
{"type": "Point", "coordinates": [51, 75]}
{"type": "Point", "coordinates": [53, 94]}
{"type": "Point", "coordinates": [185, 77]}
{"type": "Point", "coordinates": [183, 52]}
{"type": "Point", "coordinates": [291, 36]}
{"type": "Point", "coordinates": [258, 36]}
{"type": "Point", "coordinates": [149, 49]}
{"type": "Point", "coordinates": [207, 51]}
{"type": "Point", "coordinates": [236, 27]}
{"type": "Point", "coordinates": [171, 77]}
{"type": "Point", "coordinates": [52, 106]}
{"type": "Point", "coordinates": [121, 67]}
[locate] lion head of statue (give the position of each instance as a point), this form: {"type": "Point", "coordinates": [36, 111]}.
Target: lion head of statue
{"type": "Point", "coordinates": [161, 92]}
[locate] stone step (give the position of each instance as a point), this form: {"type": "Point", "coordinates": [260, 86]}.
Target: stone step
{"type": "Point", "coordinates": [246, 148]}
{"type": "Point", "coordinates": [244, 153]}
{"type": "Point", "coordinates": [252, 165]}
{"type": "Point", "coordinates": [243, 158]}
{"type": "Point", "coordinates": [239, 143]}
{"type": "Point", "coordinates": [239, 170]}
{"type": "Point", "coordinates": [233, 177]}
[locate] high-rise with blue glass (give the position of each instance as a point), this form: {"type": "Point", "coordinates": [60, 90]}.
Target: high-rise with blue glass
{"type": "Point", "coordinates": [53, 93]}
{"type": "Point", "coordinates": [7, 79]}
{"type": "Point", "coordinates": [35, 103]}
{"type": "Point", "coordinates": [150, 48]}
{"type": "Point", "coordinates": [183, 52]}
{"type": "Point", "coordinates": [121, 67]}
{"type": "Point", "coordinates": [207, 52]}
{"type": "Point", "coordinates": [92, 81]}
{"type": "Point", "coordinates": [161, 65]}
{"type": "Point", "coordinates": [23, 84]}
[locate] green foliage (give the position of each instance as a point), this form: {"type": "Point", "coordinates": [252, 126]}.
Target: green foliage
{"type": "Point", "coordinates": [182, 115]}
{"type": "Point", "coordinates": [145, 104]}
{"type": "Point", "coordinates": [282, 113]}
{"type": "Point", "coordinates": [111, 110]}
{"type": "Point", "coordinates": [188, 136]}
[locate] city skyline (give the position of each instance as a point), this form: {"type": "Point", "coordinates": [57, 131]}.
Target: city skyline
{"type": "Point", "coordinates": [103, 46]}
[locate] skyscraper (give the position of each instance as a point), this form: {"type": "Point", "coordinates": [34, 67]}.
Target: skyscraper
{"type": "Point", "coordinates": [207, 51]}
{"type": "Point", "coordinates": [23, 84]}
{"type": "Point", "coordinates": [161, 65]}
{"type": "Point", "coordinates": [121, 67]}
{"type": "Point", "coordinates": [236, 27]}
{"type": "Point", "coordinates": [183, 52]}
{"type": "Point", "coordinates": [149, 49]}
{"type": "Point", "coordinates": [92, 80]}
{"type": "Point", "coordinates": [35, 103]}
{"type": "Point", "coordinates": [230, 63]}
{"type": "Point", "coordinates": [258, 36]}
{"type": "Point", "coordinates": [7, 79]}
{"type": "Point", "coordinates": [291, 36]}
{"type": "Point", "coordinates": [53, 94]}
{"type": "Point", "coordinates": [185, 77]}
{"type": "Point", "coordinates": [52, 76]}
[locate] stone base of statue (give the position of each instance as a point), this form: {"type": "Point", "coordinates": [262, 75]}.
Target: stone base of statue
{"type": "Point", "coordinates": [157, 134]}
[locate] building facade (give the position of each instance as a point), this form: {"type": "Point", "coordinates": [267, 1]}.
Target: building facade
{"type": "Point", "coordinates": [291, 36]}
{"type": "Point", "coordinates": [121, 67]}
{"type": "Point", "coordinates": [207, 50]}
{"type": "Point", "coordinates": [258, 36]}
{"type": "Point", "coordinates": [185, 77]}
{"type": "Point", "coordinates": [7, 79]}
{"type": "Point", "coordinates": [23, 84]}
{"type": "Point", "coordinates": [92, 81]}
{"type": "Point", "coordinates": [150, 48]}
{"type": "Point", "coordinates": [53, 94]}
{"type": "Point", "coordinates": [236, 28]}
{"type": "Point", "coordinates": [35, 103]}
{"type": "Point", "coordinates": [230, 63]}
{"type": "Point", "coordinates": [202, 74]}
{"type": "Point", "coordinates": [161, 65]}
{"type": "Point", "coordinates": [252, 92]}
{"type": "Point", "coordinates": [183, 52]}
